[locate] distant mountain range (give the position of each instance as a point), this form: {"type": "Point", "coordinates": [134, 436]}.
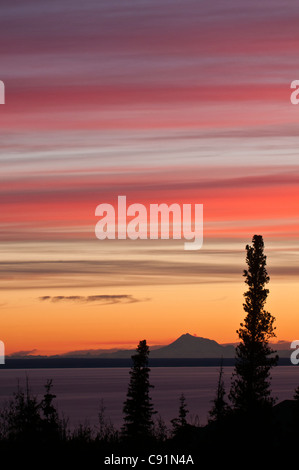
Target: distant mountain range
{"type": "Point", "coordinates": [185, 347]}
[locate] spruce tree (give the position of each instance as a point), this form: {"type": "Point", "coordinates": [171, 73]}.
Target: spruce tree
{"type": "Point", "coordinates": [181, 421]}
{"type": "Point", "coordinates": [22, 418]}
{"type": "Point", "coordinates": [50, 422]}
{"type": "Point", "coordinates": [48, 408]}
{"type": "Point", "coordinates": [254, 358]}
{"type": "Point", "coordinates": [138, 408]}
{"type": "Point", "coordinates": [220, 407]}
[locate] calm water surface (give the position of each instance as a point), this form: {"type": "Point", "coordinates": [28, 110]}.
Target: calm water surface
{"type": "Point", "coordinates": [79, 391]}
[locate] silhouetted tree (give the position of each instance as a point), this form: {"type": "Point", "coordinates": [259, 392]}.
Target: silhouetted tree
{"type": "Point", "coordinates": [138, 408]}
{"type": "Point", "coordinates": [296, 407]}
{"type": "Point", "coordinates": [181, 421]}
{"type": "Point", "coordinates": [160, 430]}
{"type": "Point", "coordinates": [50, 420]}
{"type": "Point", "coordinates": [47, 406]}
{"type": "Point", "coordinates": [220, 407]}
{"type": "Point", "coordinates": [83, 435]}
{"type": "Point", "coordinates": [28, 422]}
{"type": "Point", "coordinates": [23, 423]}
{"type": "Point", "coordinates": [251, 387]}
{"type": "Point", "coordinates": [106, 430]}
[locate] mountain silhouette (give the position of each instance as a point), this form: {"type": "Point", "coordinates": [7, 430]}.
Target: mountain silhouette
{"type": "Point", "coordinates": [184, 347]}
{"type": "Point", "coordinates": [188, 346]}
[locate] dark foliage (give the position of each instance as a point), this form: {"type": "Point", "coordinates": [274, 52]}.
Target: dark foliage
{"type": "Point", "coordinates": [220, 407]}
{"type": "Point", "coordinates": [250, 389]}
{"type": "Point", "coordinates": [181, 422]}
{"type": "Point", "coordinates": [138, 408]}
{"type": "Point", "coordinates": [26, 420]}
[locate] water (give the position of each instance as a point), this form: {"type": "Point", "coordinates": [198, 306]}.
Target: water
{"type": "Point", "coordinates": [79, 391]}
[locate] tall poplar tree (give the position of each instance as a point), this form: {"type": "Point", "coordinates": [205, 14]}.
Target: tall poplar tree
{"type": "Point", "coordinates": [254, 358]}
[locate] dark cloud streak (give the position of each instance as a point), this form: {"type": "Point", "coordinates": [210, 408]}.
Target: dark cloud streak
{"type": "Point", "coordinates": [103, 299]}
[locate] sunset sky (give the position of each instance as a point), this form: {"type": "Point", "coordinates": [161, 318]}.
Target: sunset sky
{"type": "Point", "coordinates": [161, 101]}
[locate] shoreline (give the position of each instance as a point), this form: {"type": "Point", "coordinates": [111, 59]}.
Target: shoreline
{"type": "Point", "coordinates": [82, 363]}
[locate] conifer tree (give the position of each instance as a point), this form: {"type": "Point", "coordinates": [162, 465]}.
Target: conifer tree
{"type": "Point", "coordinates": [254, 358]}
{"type": "Point", "coordinates": [181, 421]}
{"type": "Point", "coordinates": [48, 408]}
{"type": "Point", "coordinates": [51, 423]}
{"type": "Point", "coordinates": [138, 407]}
{"type": "Point", "coordinates": [220, 407]}
{"type": "Point", "coordinates": [22, 417]}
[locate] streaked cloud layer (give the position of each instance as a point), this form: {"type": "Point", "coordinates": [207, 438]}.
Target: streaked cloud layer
{"type": "Point", "coordinates": [163, 101]}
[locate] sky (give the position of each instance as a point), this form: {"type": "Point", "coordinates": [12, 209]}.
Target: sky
{"type": "Point", "coordinates": [164, 102]}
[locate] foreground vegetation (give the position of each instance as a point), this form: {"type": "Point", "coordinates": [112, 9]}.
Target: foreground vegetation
{"type": "Point", "coordinates": [29, 423]}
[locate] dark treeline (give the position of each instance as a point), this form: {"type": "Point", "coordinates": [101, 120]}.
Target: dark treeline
{"type": "Point", "coordinates": [246, 416]}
